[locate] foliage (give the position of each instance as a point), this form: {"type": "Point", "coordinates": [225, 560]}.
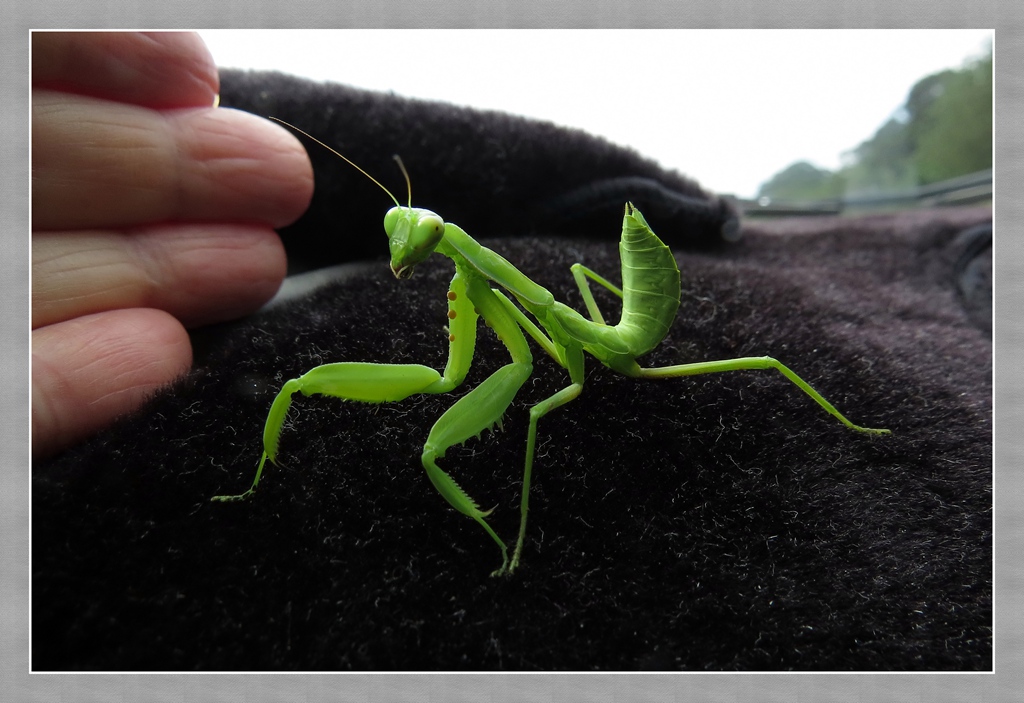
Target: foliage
{"type": "Point", "coordinates": [953, 132]}
{"type": "Point", "coordinates": [803, 181]}
{"type": "Point", "coordinates": [943, 130]}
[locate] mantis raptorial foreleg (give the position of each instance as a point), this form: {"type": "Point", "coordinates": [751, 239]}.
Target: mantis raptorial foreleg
{"type": "Point", "coordinates": [375, 383]}
{"type": "Point", "coordinates": [478, 410]}
{"type": "Point", "coordinates": [370, 383]}
{"type": "Point", "coordinates": [481, 408]}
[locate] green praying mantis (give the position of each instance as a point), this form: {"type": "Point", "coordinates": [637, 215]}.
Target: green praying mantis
{"type": "Point", "coordinates": [484, 285]}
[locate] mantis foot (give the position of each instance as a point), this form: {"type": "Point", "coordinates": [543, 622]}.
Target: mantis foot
{"type": "Point", "coordinates": [233, 499]}
{"type": "Point", "coordinates": [506, 569]}
{"type": "Point", "coordinates": [870, 430]}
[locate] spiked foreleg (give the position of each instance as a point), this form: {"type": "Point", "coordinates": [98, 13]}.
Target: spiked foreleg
{"type": "Point", "coordinates": [369, 383]}
{"type": "Point", "coordinates": [478, 410]}
{"type": "Point", "coordinates": [376, 383]}
{"type": "Point", "coordinates": [481, 408]}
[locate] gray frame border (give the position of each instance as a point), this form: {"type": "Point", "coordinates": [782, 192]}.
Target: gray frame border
{"type": "Point", "coordinates": [17, 684]}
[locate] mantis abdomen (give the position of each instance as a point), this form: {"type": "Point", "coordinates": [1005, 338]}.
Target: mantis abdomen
{"type": "Point", "coordinates": [650, 299]}
{"type": "Point", "coordinates": [650, 286]}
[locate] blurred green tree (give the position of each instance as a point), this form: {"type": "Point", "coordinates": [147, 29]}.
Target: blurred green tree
{"type": "Point", "coordinates": [952, 133]}
{"type": "Point", "coordinates": [802, 181]}
{"type": "Point", "coordinates": [943, 130]}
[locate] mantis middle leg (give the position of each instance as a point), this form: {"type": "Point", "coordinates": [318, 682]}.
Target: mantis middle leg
{"type": "Point", "coordinates": [485, 405]}
{"type": "Point", "coordinates": [574, 358]}
{"type": "Point", "coordinates": [571, 357]}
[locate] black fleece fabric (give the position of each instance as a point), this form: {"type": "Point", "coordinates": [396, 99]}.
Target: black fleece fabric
{"type": "Point", "coordinates": [713, 523]}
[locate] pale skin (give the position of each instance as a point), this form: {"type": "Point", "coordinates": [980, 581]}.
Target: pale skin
{"type": "Point", "coordinates": [484, 286]}
{"type": "Point", "coordinates": [152, 211]}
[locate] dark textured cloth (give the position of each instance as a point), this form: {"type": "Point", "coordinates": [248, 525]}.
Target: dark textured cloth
{"type": "Point", "coordinates": [718, 522]}
{"type": "Point", "coordinates": [492, 173]}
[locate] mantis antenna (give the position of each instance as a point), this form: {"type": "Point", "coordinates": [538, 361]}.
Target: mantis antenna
{"type": "Point", "coordinates": [354, 164]}
{"type": "Point", "coordinates": [408, 182]}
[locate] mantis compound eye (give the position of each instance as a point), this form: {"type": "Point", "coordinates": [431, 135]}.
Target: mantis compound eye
{"type": "Point", "coordinates": [427, 233]}
{"type": "Point", "coordinates": [391, 219]}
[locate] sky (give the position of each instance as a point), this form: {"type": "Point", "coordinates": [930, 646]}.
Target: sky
{"type": "Point", "coordinates": [729, 108]}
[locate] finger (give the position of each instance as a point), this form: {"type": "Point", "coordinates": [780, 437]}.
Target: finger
{"type": "Point", "coordinates": [89, 371]}
{"type": "Point", "coordinates": [199, 273]}
{"type": "Point", "coordinates": [102, 164]}
{"type": "Point", "coordinates": [155, 69]}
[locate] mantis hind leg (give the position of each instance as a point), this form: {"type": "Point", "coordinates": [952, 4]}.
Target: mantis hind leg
{"type": "Point", "coordinates": [752, 362]}
{"type": "Point", "coordinates": [581, 273]}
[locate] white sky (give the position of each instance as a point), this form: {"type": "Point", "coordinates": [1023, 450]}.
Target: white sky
{"type": "Point", "coordinates": [729, 108]}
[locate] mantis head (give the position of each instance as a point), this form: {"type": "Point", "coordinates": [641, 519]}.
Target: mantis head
{"type": "Point", "coordinates": [413, 234]}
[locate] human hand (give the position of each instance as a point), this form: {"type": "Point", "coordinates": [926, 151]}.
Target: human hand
{"type": "Point", "coordinates": [152, 210]}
